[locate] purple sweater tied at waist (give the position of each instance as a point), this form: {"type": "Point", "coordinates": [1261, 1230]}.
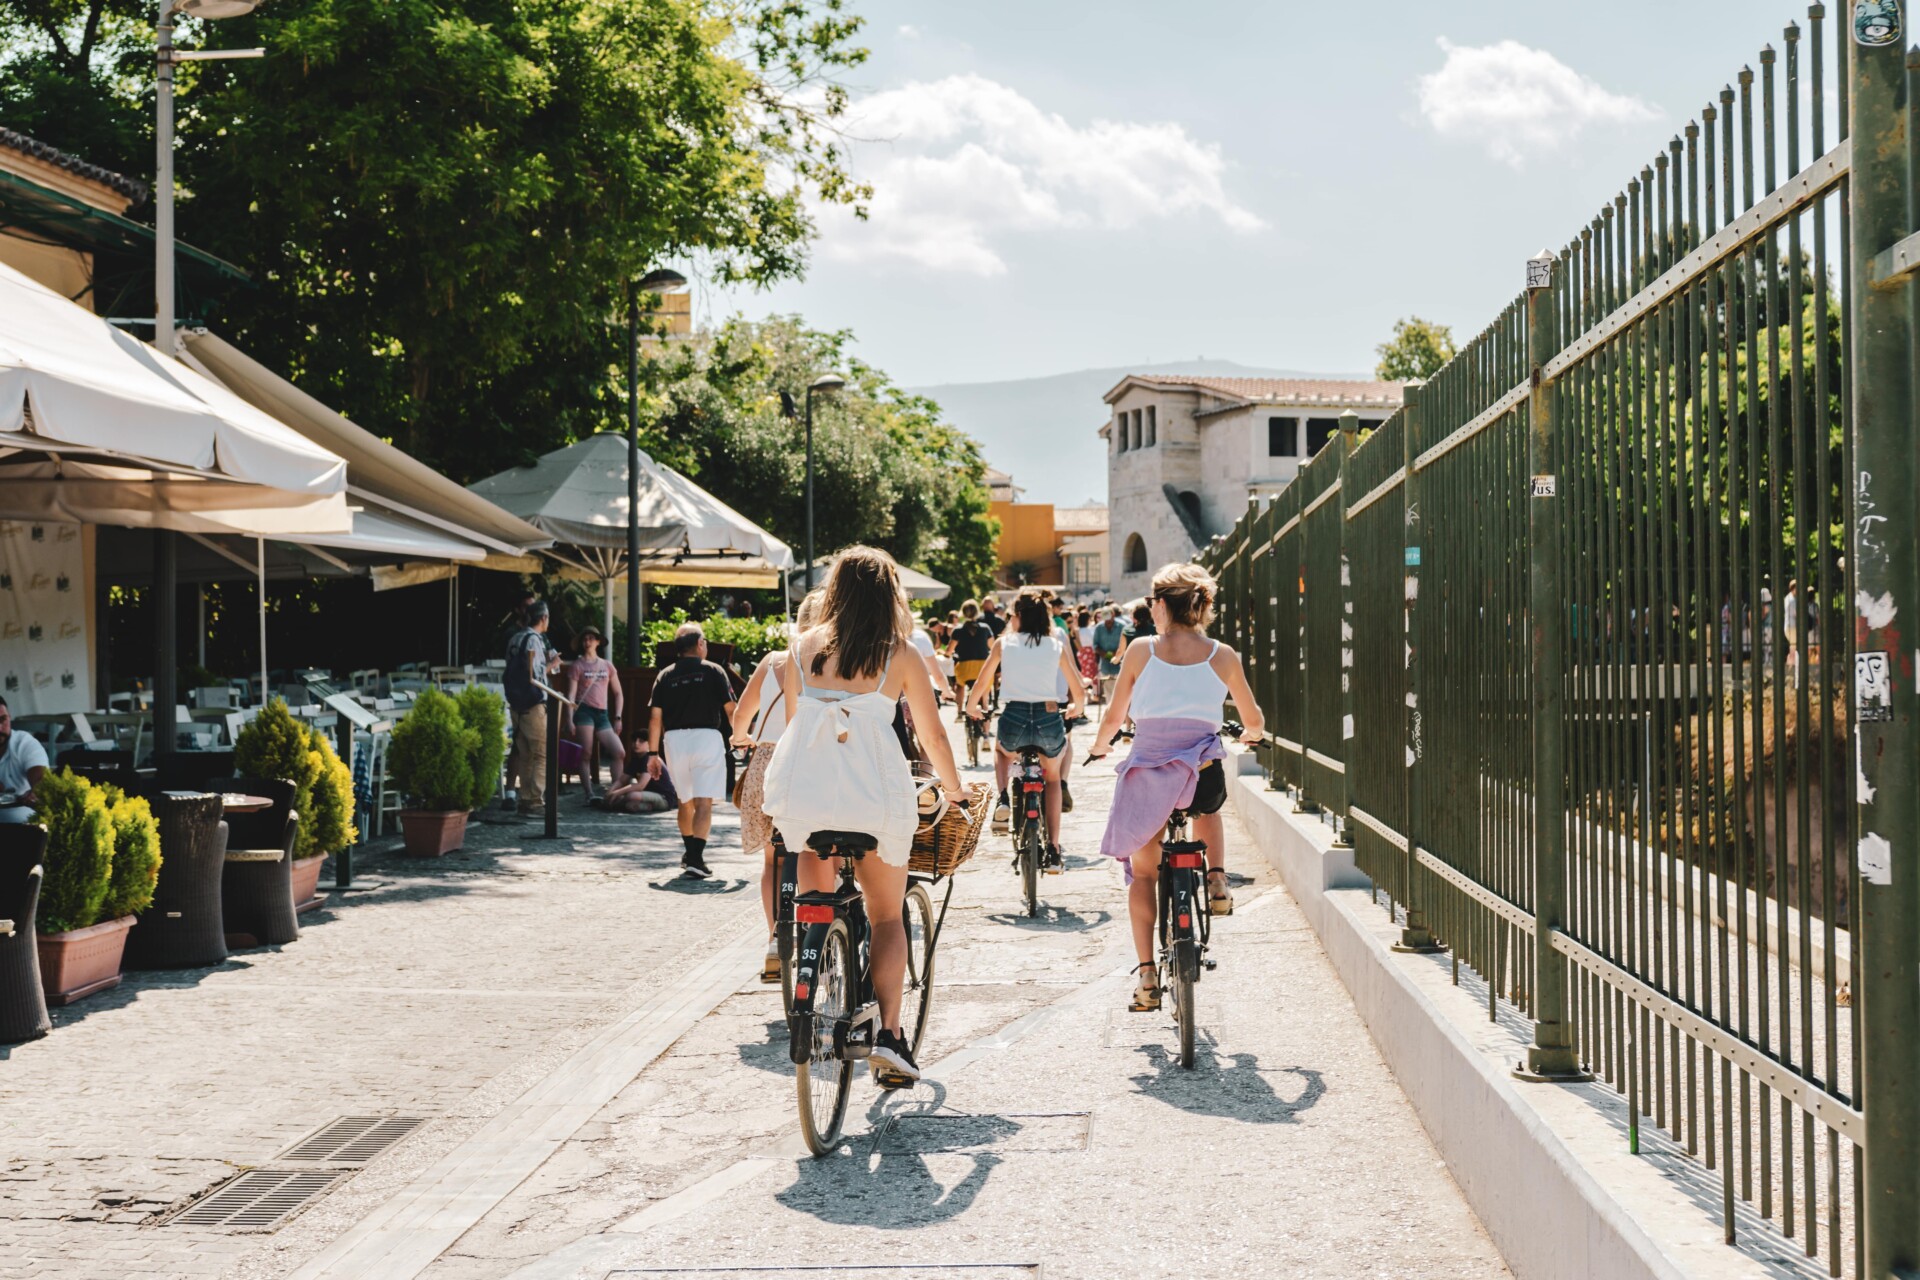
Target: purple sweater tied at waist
{"type": "Point", "coordinates": [1157, 777]}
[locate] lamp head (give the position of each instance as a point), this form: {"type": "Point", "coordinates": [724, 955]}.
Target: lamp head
{"type": "Point", "coordinates": [215, 8]}
{"type": "Point", "coordinates": [827, 383]}
{"type": "Point", "coordinates": [661, 281]}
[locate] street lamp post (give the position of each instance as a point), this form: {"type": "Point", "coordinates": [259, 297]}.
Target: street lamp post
{"type": "Point", "coordinates": [826, 384]}
{"type": "Point", "coordinates": [163, 143]}
{"type": "Point", "coordinates": [661, 281]}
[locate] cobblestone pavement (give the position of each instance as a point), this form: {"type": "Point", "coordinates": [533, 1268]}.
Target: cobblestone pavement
{"type": "Point", "coordinates": [1053, 1129]}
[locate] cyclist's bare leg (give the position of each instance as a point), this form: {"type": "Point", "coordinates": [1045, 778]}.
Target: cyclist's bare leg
{"type": "Point", "coordinates": [1211, 829]}
{"type": "Point", "coordinates": [769, 882]}
{"type": "Point", "coordinates": [1143, 901]}
{"type": "Point", "coordinates": [1055, 768]}
{"type": "Point", "coordinates": [885, 889]}
{"type": "Point", "coordinates": [1002, 768]}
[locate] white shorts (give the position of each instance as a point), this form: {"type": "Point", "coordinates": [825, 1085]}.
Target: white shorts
{"type": "Point", "coordinates": [697, 763]}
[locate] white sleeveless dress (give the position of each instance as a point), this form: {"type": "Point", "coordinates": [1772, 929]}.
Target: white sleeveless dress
{"type": "Point", "coordinates": [838, 767]}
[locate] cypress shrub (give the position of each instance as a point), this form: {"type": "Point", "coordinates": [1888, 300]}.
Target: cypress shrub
{"type": "Point", "coordinates": [79, 857]}
{"type": "Point", "coordinates": [136, 854]}
{"type": "Point", "coordinates": [485, 713]}
{"type": "Point", "coordinates": [432, 754]}
{"type": "Point", "coordinates": [326, 824]}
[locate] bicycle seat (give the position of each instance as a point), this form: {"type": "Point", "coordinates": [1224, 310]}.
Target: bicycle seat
{"type": "Point", "coordinates": [850, 844]}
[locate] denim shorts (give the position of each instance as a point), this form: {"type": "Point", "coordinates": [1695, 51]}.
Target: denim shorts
{"type": "Point", "coordinates": [1030, 724]}
{"type": "Point", "coordinates": [594, 717]}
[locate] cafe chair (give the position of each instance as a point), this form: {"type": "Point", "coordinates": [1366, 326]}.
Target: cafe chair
{"type": "Point", "coordinates": [23, 1006]}
{"type": "Point", "coordinates": [184, 927]}
{"type": "Point", "coordinates": [256, 886]}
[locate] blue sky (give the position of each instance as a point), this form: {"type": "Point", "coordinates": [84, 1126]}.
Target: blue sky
{"type": "Point", "coordinates": [1070, 185]}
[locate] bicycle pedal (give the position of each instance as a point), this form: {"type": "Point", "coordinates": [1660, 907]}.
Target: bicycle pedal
{"type": "Point", "coordinates": [1211, 964]}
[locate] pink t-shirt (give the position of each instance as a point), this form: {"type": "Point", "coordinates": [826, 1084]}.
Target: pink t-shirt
{"type": "Point", "coordinates": [590, 681]}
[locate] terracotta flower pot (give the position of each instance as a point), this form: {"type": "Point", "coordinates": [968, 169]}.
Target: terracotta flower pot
{"type": "Point", "coordinates": [82, 961]}
{"type": "Point", "coordinates": [432, 832]}
{"type": "Point", "coordinates": [306, 882]}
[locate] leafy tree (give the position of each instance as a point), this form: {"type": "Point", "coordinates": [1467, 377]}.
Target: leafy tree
{"type": "Point", "coordinates": [887, 471]}
{"type": "Point", "coordinates": [441, 200]}
{"type": "Point", "coordinates": [1418, 349]}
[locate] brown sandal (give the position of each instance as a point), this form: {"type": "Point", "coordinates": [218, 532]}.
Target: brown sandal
{"type": "Point", "coordinates": [1221, 903]}
{"type": "Point", "coordinates": [1146, 992]}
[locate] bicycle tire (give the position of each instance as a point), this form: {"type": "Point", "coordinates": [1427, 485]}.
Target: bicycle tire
{"type": "Point", "coordinates": [973, 744]}
{"type": "Point", "coordinates": [786, 931]}
{"type": "Point", "coordinates": [1030, 867]}
{"type": "Point", "coordinates": [1183, 1013]}
{"type": "Point", "coordinates": [918, 996]}
{"type": "Point", "coordinates": [825, 1081]}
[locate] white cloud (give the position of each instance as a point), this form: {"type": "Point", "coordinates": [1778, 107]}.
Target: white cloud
{"type": "Point", "coordinates": [1518, 102]}
{"type": "Point", "coordinates": [909, 32]}
{"type": "Point", "coordinates": [957, 164]}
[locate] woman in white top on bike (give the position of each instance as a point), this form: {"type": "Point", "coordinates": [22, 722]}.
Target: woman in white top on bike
{"type": "Point", "coordinates": [756, 830]}
{"type": "Point", "coordinates": [1174, 686]}
{"type": "Point", "coordinates": [1034, 669]}
{"type": "Point", "coordinates": [839, 765]}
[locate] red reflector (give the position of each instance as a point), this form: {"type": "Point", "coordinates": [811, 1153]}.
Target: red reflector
{"type": "Point", "coordinates": [1189, 861]}
{"type": "Point", "coordinates": [1186, 921]}
{"type": "Point", "coordinates": [1034, 787]}
{"type": "Point", "coordinates": [813, 915]}
{"type": "Point", "coordinates": [800, 990]}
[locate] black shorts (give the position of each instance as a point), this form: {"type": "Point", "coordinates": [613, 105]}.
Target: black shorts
{"type": "Point", "coordinates": [1210, 790]}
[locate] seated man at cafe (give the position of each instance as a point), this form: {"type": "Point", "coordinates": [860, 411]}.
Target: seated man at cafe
{"type": "Point", "coordinates": [23, 762]}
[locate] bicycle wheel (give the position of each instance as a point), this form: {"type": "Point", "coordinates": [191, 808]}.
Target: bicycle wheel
{"type": "Point", "coordinates": [917, 1003]}
{"type": "Point", "coordinates": [973, 744]}
{"type": "Point", "coordinates": [786, 931]}
{"type": "Point", "coordinates": [1030, 866]}
{"type": "Point", "coordinates": [1183, 966]}
{"type": "Point", "coordinates": [824, 1081]}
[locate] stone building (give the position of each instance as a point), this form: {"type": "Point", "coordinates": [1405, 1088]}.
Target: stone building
{"type": "Point", "coordinates": [1186, 455]}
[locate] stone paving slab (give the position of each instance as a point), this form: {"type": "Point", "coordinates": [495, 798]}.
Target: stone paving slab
{"type": "Point", "coordinates": [416, 997]}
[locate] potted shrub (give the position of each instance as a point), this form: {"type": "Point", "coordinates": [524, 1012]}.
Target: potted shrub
{"type": "Point", "coordinates": [79, 952]}
{"type": "Point", "coordinates": [485, 712]}
{"type": "Point", "coordinates": [432, 757]}
{"type": "Point", "coordinates": [326, 824]}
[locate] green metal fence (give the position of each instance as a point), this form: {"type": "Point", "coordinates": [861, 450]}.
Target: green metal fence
{"type": "Point", "coordinates": [1593, 650]}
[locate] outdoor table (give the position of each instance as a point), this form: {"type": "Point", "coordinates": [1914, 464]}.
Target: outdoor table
{"type": "Point", "coordinates": [235, 802]}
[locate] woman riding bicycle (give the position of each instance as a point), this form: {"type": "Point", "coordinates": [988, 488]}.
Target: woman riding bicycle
{"type": "Point", "coordinates": [839, 767]}
{"type": "Point", "coordinates": [1174, 685]}
{"type": "Point", "coordinates": [764, 701]}
{"type": "Point", "coordinates": [1033, 664]}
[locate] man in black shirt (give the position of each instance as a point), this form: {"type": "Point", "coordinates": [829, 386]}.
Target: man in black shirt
{"type": "Point", "coordinates": [692, 700]}
{"type": "Point", "coordinates": [990, 614]}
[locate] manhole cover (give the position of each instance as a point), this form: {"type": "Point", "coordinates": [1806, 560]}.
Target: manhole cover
{"type": "Point", "coordinates": [351, 1139]}
{"type": "Point", "coordinates": [856, 1271]}
{"type": "Point", "coordinates": [257, 1200]}
{"type": "Point", "coordinates": [938, 1132]}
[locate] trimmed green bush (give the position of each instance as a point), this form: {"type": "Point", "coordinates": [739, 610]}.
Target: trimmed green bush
{"type": "Point", "coordinates": [485, 712]}
{"type": "Point", "coordinates": [276, 745]}
{"type": "Point", "coordinates": [326, 824]}
{"type": "Point", "coordinates": [79, 858]}
{"type": "Point", "coordinates": [136, 854]}
{"type": "Point", "coordinates": [433, 753]}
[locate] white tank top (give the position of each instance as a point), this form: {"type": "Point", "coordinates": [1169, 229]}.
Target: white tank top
{"type": "Point", "coordinates": [1168, 692]}
{"type": "Point", "coordinates": [1029, 672]}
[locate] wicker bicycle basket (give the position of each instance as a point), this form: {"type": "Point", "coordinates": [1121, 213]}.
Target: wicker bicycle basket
{"type": "Point", "coordinates": [940, 848]}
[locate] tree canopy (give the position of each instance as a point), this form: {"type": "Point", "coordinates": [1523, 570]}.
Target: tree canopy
{"type": "Point", "coordinates": [887, 471]}
{"type": "Point", "coordinates": [442, 200]}
{"type": "Point", "coordinates": [1418, 349]}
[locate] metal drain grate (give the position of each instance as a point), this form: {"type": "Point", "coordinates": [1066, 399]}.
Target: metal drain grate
{"type": "Point", "coordinates": [257, 1200]}
{"type": "Point", "coordinates": [351, 1140]}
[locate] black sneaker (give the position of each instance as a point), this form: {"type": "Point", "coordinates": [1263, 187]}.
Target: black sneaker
{"type": "Point", "coordinates": [1051, 862]}
{"type": "Point", "coordinates": [1002, 813]}
{"type": "Point", "coordinates": [1066, 799]}
{"type": "Point", "coordinates": [892, 1062]}
{"type": "Point", "coordinates": [695, 866]}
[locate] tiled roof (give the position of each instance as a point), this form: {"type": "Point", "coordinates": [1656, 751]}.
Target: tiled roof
{"type": "Point", "coordinates": [1308, 391]}
{"type": "Point", "coordinates": [134, 191]}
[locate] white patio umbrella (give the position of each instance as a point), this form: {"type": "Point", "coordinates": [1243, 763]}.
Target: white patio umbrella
{"type": "Point", "coordinates": [98, 427]}
{"type": "Point", "coordinates": [579, 495]}
{"type": "Point", "coordinates": [917, 584]}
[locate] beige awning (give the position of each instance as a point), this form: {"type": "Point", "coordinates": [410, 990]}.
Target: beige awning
{"type": "Point", "coordinates": [376, 471]}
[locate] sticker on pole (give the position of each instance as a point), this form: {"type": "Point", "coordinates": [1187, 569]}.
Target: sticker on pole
{"type": "Point", "coordinates": [1413, 557]}
{"type": "Point", "coordinates": [1876, 23]}
{"type": "Point", "coordinates": [1872, 688]}
{"type": "Point", "coordinates": [1546, 486]}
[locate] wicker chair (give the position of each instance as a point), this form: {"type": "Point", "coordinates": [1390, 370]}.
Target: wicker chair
{"type": "Point", "coordinates": [183, 929]}
{"type": "Point", "coordinates": [256, 889]}
{"type": "Point", "coordinates": [23, 1008]}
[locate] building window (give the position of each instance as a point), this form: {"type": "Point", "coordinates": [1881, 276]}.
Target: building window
{"type": "Point", "coordinates": [1137, 437]}
{"type": "Point", "coordinates": [1283, 437]}
{"type": "Point", "coordinates": [1153, 428]}
{"type": "Point", "coordinates": [1319, 431]}
{"type": "Point", "coordinates": [1136, 554]}
{"type": "Point", "coordinates": [1119, 433]}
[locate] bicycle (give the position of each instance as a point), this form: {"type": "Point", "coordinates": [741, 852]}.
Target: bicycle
{"type": "Point", "coordinates": [832, 1015]}
{"type": "Point", "coordinates": [1029, 780]}
{"type": "Point", "coordinates": [977, 731]}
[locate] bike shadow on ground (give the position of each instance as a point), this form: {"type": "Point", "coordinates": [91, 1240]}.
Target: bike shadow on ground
{"type": "Point", "coordinates": [1051, 919]}
{"type": "Point", "coordinates": [867, 1184]}
{"type": "Point", "coordinates": [770, 1054]}
{"type": "Point", "coordinates": [694, 888]}
{"type": "Point", "coordinates": [1232, 1086]}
